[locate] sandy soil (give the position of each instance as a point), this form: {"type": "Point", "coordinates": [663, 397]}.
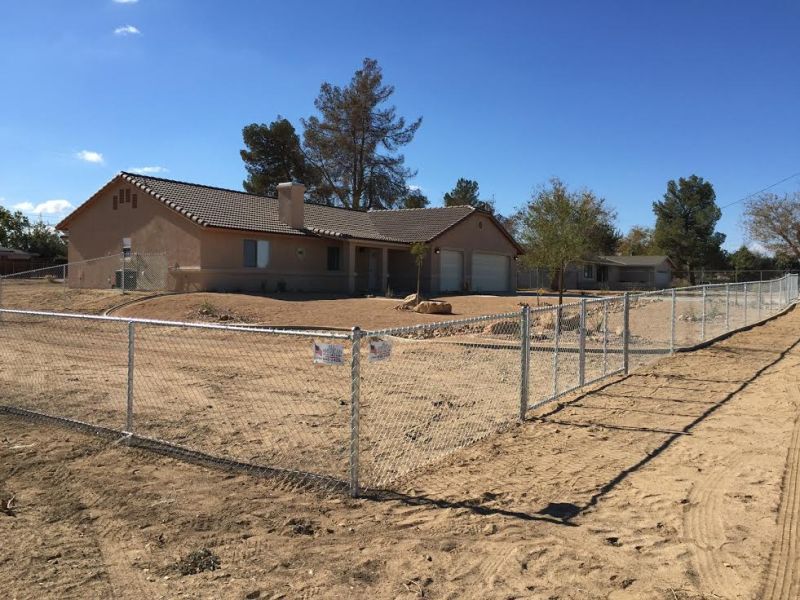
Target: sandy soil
{"type": "Point", "coordinates": [56, 297]}
{"type": "Point", "coordinates": [312, 311]}
{"type": "Point", "coordinates": [678, 481]}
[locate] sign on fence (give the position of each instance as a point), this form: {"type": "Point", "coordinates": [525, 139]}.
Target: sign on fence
{"type": "Point", "coordinates": [379, 350]}
{"type": "Point", "coordinates": [328, 354]}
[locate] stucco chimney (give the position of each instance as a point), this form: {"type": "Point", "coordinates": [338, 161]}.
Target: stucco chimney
{"type": "Point", "coordinates": [290, 204]}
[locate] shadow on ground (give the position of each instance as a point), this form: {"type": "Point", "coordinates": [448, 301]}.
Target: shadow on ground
{"type": "Point", "coordinates": [566, 459]}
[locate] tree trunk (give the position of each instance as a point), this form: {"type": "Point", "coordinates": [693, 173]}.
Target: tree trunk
{"type": "Point", "coordinates": [561, 286]}
{"type": "Point", "coordinates": [419, 277]}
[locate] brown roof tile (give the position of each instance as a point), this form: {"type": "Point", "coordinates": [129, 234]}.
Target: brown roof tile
{"type": "Point", "coordinates": [231, 209]}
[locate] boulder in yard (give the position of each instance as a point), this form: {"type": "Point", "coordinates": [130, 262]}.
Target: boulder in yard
{"type": "Point", "coordinates": [409, 302]}
{"type": "Point", "coordinates": [433, 307]}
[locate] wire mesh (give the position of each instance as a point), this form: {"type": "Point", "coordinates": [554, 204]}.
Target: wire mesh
{"type": "Point", "coordinates": [337, 410]}
{"type": "Point", "coordinates": [84, 286]}
{"type": "Point", "coordinates": [441, 387]}
{"type": "Point", "coordinates": [245, 396]}
{"type": "Point", "coordinates": [72, 368]}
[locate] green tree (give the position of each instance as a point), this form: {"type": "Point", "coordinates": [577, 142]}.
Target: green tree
{"type": "Point", "coordinates": [559, 228]}
{"type": "Point", "coordinates": [273, 155]}
{"type": "Point", "coordinates": [13, 228]}
{"type": "Point", "coordinates": [637, 242]}
{"type": "Point", "coordinates": [745, 259]}
{"type": "Point", "coordinates": [353, 144]}
{"type": "Point", "coordinates": [414, 198]}
{"type": "Point", "coordinates": [419, 250]}
{"type": "Point", "coordinates": [685, 222]}
{"type": "Point", "coordinates": [774, 221]}
{"type": "Point", "coordinates": [465, 193]}
{"type": "Point", "coordinates": [44, 241]}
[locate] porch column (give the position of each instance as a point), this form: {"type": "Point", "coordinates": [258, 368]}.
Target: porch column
{"type": "Point", "coordinates": [385, 270]}
{"type": "Point", "coordinates": [351, 267]}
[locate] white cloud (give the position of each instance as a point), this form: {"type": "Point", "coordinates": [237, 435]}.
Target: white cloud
{"type": "Point", "coordinates": [127, 30]}
{"type": "Point", "coordinates": [148, 170]}
{"type": "Point", "coordinates": [125, 1]}
{"type": "Point", "coordinates": [49, 207]}
{"type": "Point", "coordinates": [90, 156]}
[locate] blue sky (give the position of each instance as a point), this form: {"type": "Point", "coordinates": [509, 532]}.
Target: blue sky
{"type": "Point", "coordinates": [616, 96]}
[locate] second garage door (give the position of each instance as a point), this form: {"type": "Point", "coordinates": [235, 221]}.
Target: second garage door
{"type": "Point", "coordinates": [489, 272]}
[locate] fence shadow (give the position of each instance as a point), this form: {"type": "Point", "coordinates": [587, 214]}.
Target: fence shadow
{"type": "Point", "coordinates": [535, 473]}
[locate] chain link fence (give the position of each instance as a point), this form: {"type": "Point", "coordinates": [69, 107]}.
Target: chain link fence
{"type": "Point", "coordinates": [346, 410]}
{"type": "Point", "coordinates": [73, 286]}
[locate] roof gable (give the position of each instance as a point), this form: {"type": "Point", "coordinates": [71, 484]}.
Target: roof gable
{"type": "Point", "coordinates": [231, 209]}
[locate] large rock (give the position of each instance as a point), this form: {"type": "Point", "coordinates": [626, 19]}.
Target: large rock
{"type": "Point", "coordinates": [433, 307]}
{"type": "Point", "coordinates": [409, 302]}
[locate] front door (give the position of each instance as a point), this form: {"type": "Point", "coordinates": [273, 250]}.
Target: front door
{"type": "Point", "coordinates": [373, 268]}
{"type": "Point", "coordinates": [602, 273]}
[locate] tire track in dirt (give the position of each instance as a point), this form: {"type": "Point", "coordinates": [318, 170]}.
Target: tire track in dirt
{"type": "Point", "coordinates": [783, 576]}
{"type": "Point", "coordinates": [705, 528]}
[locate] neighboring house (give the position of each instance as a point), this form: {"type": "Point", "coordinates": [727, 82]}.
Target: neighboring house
{"type": "Point", "coordinates": [609, 273]}
{"type": "Point", "coordinates": [219, 239]}
{"type": "Point", "coordinates": [14, 261]}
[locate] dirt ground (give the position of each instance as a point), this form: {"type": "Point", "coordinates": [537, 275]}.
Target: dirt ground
{"type": "Point", "coordinates": [312, 311]}
{"type": "Point", "coordinates": [679, 481]}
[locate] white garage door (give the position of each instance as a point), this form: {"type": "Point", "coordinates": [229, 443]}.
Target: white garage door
{"type": "Point", "coordinates": [451, 271]}
{"type": "Point", "coordinates": [489, 272]}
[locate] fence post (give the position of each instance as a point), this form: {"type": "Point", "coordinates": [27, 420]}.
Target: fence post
{"type": "Point", "coordinates": [605, 336]}
{"type": "Point", "coordinates": [525, 343]}
{"type": "Point", "coordinates": [355, 398]}
{"type": "Point", "coordinates": [727, 307]}
{"type": "Point", "coordinates": [556, 339]}
{"type": "Point", "coordinates": [703, 318]}
{"type": "Point", "coordinates": [771, 295]}
{"type": "Point", "coordinates": [745, 303]}
{"type": "Point", "coordinates": [129, 411]}
{"type": "Point", "coordinates": [672, 322]}
{"type": "Point", "coordinates": [760, 291]}
{"type": "Point", "coordinates": [626, 305]}
{"type": "Point", "coordinates": [122, 273]}
{"type": "Point", "coordinates": [582, 345]}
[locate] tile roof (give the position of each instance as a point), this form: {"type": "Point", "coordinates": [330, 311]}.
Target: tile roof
{"type": "Point", "coordinates": [633, 261]}
{"type": "Point", "coordinates": [13, 252]}
{"type": "Point", "coordinates": [231, 209]}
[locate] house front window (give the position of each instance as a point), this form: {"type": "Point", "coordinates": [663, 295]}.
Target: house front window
{"type": "Point", "coordinates": [588, 271]}
{"type": "Point", "coordinates": [256, 254]}
{"type": "Point", "coordinates": [334, 258]}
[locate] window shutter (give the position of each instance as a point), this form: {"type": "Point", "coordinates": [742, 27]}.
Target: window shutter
{"type": "Point", "coordinates": [249, 253]}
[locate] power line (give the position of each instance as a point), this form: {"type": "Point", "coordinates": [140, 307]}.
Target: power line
{"type": "Point", "coordinates": [769, 187]}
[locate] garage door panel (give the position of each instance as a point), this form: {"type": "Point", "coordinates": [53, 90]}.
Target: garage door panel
{"type": "Point", "coordinates": [451, 269]}
{"type": "Point", "coordinates": [489, 272]}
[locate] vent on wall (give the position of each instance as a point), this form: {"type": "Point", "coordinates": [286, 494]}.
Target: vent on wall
{"type": "Point", "coordinates": [125, 197]}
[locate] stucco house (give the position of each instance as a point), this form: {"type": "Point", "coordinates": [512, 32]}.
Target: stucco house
{"type": "Point", "coordinates": [622, 273]}
{"type": "Point", "coordinates": [220, 239]}
{"type": "Point", "coordinates": [608, 273]}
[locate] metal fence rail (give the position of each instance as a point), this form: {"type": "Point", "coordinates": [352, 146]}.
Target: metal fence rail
{"type": "Point", "coordinates": [347, 410]}
{"type": "Point", "coordinates": [63, 287]}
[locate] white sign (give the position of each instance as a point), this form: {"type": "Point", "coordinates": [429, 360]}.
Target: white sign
{"type": "Point", "coordinates": [379, 350]}
{"type": "Point", "coordinates": [328, 354]}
